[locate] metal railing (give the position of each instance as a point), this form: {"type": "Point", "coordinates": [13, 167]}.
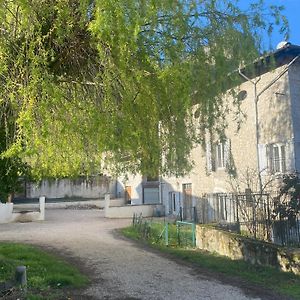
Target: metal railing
{"type": "Point", "coordinates": [250, 214]}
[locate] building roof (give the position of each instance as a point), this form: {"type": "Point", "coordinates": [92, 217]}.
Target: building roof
{"type": "Point", "coordinates": [270, 61]}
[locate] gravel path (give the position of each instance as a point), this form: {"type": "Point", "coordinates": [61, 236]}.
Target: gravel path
{"type": "Point", "coordinates": [119, 268]}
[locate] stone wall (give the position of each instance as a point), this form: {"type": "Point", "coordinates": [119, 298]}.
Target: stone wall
{"type": "Point", "coordinates": [274, 109]}
{"type": "Point", "coordinates": [93, 188]}
{"type": "Point", "coordinates": [240, 248]}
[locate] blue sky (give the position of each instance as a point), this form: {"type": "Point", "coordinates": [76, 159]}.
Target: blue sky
{"type": "Point", "coordinates": [292, 12]}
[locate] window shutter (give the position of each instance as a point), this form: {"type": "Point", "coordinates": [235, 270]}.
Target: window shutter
{"type": "Point", "coordinates": [263, 157]}
{"type": "Point", "coordinates": [289, 156]}
{"type": "Point", "coordinates": [213, 157]}
{"type": "Point", "coordinates": [209, 168]}
{"type": "Point", "coordinates": [283, 158]}
{"type": "Point", "coordinates": [227, 152]}
{"type": "Point", "coordinates": [269, 154]}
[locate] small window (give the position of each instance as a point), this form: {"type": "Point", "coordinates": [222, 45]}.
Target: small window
{"type": "Point", "coordinates": [187, 186]}
{"type": "Point", "coordinates": [197, 113]}
{"type": "Point", "coordinates": [242, 95]}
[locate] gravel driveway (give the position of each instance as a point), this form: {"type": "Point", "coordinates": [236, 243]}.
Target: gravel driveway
{"type": "Point", "coordinates": [119, 268]}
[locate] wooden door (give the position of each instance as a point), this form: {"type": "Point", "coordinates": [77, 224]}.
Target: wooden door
{"type": "Point", "coordinates": [128, 194]}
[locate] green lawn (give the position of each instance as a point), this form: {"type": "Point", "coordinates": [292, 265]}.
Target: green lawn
{"type": "Point", "coordinates": [267, 277]}
{"type": "Point", "coordinates": [47, 275]}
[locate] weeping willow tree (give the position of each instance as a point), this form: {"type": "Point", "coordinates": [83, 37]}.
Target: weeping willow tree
{"type": "Point", "coordinates": [100, 84]}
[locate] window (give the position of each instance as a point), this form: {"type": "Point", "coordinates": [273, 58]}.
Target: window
{"type": "Point", "coordinates": [174, 205]}
{"type": "Point", "coordinates": [151, 195]}
{"type": "Point", "coordinates": [150, 190]}
{"type": "Point", "coordinates": [220, 157]}
{"type": "Point", "coordinates": [277, 158]}
{"type": "Point", "coordinates": [242, 95]}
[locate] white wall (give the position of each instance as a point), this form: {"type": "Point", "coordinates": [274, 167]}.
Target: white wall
{"type": "Point", "coordinates": [128, 211]}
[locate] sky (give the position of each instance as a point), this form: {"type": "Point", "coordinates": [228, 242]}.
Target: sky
{"type": "Point", "coordinates": [292, 12]}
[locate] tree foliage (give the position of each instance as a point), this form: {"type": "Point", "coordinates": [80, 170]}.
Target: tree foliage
{"type": "Point", "coordinates": [94, 84]}
{"type": "Point", "coordinates": [287, 204]}
{"type": "Point", "coordinates": [11, 168]}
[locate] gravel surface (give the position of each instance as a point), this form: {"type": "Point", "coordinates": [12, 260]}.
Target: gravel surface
{"type": "Point", "coordinates": [119, 268]}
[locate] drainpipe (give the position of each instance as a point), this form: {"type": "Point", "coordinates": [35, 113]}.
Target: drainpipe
{"type": "Point", "coordinates": [256, 99]}
{"type": "Point", "coordinates": [160, 195]}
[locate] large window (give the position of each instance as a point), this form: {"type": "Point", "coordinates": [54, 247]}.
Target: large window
{"type": "Point", "coordinates": [151, 190]}
{"type": "Point", "coordinates": [151, 195]}
{"type": "Point", "coordinates": [277, 158]}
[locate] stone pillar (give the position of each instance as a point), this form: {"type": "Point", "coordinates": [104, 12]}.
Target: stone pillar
{"type": "Point", "coordinates": [42, 208]}
{"type": "Point", "coordinates": [20, 277]}
{"type": "Point", "coordinates": [106, 203]}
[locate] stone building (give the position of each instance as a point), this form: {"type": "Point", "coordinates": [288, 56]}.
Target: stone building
{"type": "Point", "coordinates": [266, 145]}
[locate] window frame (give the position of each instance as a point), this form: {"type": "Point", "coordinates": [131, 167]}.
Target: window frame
{"type": "Point", "coordinates": [220, 162]}
{"type": "Point", "coordinates": [277, 158]}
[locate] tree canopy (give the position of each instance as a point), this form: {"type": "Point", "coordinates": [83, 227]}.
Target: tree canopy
{"type": "Point", "coordinates": [97, 84]}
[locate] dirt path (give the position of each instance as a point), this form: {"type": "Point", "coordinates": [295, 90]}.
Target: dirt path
{"type": "Point", "coordinates": [119, 269]}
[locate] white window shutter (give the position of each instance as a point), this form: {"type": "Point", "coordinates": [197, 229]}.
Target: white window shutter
{"type": "Point", "coordinates": [270, 158]}
{"type": "Point", "coordinates": [208, 156]}
{"type": "Point", "coordinates": [263, 157]}
{"type": "Point", "coordinates": [289, 156]}
{"type": "Point", "coordinates": [227, 149]}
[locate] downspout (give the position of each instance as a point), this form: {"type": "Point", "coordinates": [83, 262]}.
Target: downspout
{"type": "Point", "coordinates": [160, 192]}
{"type": "Point", "coordinates": [256, 99]}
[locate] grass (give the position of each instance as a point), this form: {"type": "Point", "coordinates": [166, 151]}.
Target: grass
{"type": "Point", "coordinates": [266, 277]}
{"type": "Point", "coordinates": [47, 274]}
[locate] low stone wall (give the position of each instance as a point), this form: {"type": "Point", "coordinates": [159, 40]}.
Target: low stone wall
{"type": "Point", "coordinates": [250, 250]}
{"type": "Point", "coordinates": [128, 211]}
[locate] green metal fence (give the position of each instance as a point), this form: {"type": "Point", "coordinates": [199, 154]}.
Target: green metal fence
{"type": "Point", "coordinates": [186, 234]}
{"type": "Point", "coordinates": [182, 234]}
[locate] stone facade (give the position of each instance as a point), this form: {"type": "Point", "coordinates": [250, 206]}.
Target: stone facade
{"type": "Point", "coordinates": [278, 134]}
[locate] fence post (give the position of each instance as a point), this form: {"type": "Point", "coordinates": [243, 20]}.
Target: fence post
{"type": "Point", "coordinates": [166, 234]}
{"type": "Point", "coordinates": [195, 214]}
{"type": "Point", "coordinates": [254, 215]}
{"type": "Point", "coordinates": [237, 215]}
{"type": "Point", "coordinates": [177, 233]}
{"type": "Point", "coordinates": [194, 235]}
{"type": "Point", "coordinates": [42, 200]}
